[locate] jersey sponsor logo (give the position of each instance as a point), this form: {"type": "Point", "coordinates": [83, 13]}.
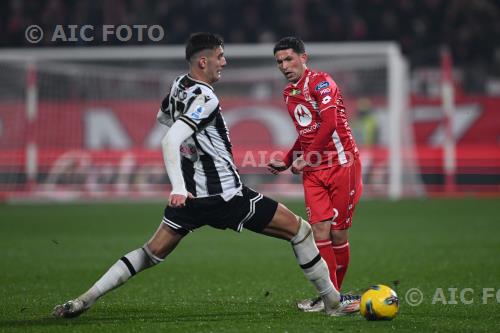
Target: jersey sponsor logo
{"type": "Point", "coordinates": [302, 115]}
{"type": "Point", "coordinates": [310, 129]}
{"type": "Point", "coordinates": [197, 113]}
{"type": "Point", "coordinates": [325, 91]}
{"type": "Point", "coordinates": [322, 85]}
{"type": "Point", "coordinates": [326, 99]}
{"type": "Point", "coordinates": [188, 150]}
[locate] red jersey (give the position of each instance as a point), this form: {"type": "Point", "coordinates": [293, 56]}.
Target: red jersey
{"type": "Point", "coordinates": [310, 101]}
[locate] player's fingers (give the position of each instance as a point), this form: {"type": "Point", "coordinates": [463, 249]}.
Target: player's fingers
{"type": "Point", "coordinates": [271, 170]}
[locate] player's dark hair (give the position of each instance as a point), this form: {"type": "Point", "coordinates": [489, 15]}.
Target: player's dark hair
{"type": "Point", "coordinates": [293, 43]}
{"type": "Point", "coordinates": [202, 41]}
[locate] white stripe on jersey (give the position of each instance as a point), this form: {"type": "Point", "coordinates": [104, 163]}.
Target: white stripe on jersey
{"type": "Point", "coordinates": [340, 148]}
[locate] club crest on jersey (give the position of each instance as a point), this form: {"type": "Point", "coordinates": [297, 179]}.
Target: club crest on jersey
{"type": "Point", "coordinates": [322, 85]}
{"type": "Point", "coordinates": [302, 115]}
{"type": "Point", "coordinates": [295, 92]}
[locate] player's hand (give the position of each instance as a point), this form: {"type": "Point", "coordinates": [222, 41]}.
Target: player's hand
{"type": "Point", "coordinates": [179, 200]}
{"type": "Point", "coordinates": [298, 165]}
{"type": "Point", "coordinates": [276, 166]}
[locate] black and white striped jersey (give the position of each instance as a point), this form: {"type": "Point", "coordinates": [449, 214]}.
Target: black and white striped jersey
{"type": "Point", "coordinates": [206, 157]}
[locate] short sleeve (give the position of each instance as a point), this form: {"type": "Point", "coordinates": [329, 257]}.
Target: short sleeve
{"type": "Point", "coordinates": [201, 111]}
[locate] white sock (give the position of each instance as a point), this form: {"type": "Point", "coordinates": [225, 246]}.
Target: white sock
{"type": "Point", "coordinates": [129, 265]}
{"type": "Point", "coordinates": [313, 266]}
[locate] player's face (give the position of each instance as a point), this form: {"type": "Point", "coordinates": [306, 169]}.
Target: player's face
{"type": "Point", "coordinates": [291, 64]}
{"type": "Point", "coordinates": [215, 62]}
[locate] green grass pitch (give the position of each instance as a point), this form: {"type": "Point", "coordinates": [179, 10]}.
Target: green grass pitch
{"type": "Point", "coordinates": [221, 281]}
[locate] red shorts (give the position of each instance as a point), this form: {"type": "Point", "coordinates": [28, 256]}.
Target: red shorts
{"type": "Point", "coordinates": [331, 194]}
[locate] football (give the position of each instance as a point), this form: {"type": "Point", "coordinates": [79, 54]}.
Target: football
{"type": "Point", "coordinates": [379, 302]}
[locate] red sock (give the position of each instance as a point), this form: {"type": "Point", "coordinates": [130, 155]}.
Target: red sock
{"type": "Point", "coordinates": [326, 252]}
{"type": "Point", "coordinates": [342, 257]}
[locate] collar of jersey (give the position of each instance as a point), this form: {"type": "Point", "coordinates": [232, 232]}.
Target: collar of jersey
{"type": "Point", "coordinates": [200, 82]}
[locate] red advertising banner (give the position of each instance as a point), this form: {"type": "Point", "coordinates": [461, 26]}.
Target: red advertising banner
{"type": "Point", "coordinates": [91, 148]}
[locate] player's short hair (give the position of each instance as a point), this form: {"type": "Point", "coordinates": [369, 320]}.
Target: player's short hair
{"type": "Point", "coordinates": [290, 42]}
{"type": "Point", "coordinates": [202, 41]}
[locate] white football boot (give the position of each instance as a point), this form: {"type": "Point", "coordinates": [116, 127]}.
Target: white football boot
{"type": "Point", "coordinates": [349, 304]}
{"type": "Point", "coordinates": [70, 309]}
{"type": "Point", "coordinates": [311, 305]}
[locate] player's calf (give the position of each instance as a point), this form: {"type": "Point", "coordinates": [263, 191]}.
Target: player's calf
{"type": "Point", "coordinates": [126, 267]}
{"type": "Point", "coordinates": [313, 266]}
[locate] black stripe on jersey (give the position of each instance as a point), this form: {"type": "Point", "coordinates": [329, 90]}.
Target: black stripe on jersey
{"type": "Point", "coordinates": [221, 129]}
{"type": "Point", "coordinates": [188, 104]}
{"type": "Point", "coordinates": [129, 265]}
{"type": "Point", "coordinates": [214, 185]}
{"type": "Point", "coordinates": [187, 167]}
{"type": "Point", "coordinates": [235, 175]}
{"type": "Point", "coordinates": [198, 146]}
{"type": "Point", "coordinates": [312, 262]}
{"type": "Point", "coordinates": [205, 122]}
{"type": "Point", "coordinates": [189, 122]}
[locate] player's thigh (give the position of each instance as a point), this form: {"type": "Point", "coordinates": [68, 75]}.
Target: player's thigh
{"type": "Point", "coordinates": [345, 187]}
{"type": "Point", "coordinates": [317, 198]}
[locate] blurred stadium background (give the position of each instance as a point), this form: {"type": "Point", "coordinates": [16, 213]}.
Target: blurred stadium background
{"type": "Point", "coordinates": [78, 124]}
{"type": "Point", "coordinates": [421, 80]}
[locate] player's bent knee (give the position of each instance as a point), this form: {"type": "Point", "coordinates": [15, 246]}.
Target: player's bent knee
{"type": "Point", "coordinates": [322, 230]}
{"type": "Point", "coordinates": [304, 231]}
{"type": "Point", "coordinates": [155, 260]}
{"type": "Point", "coordinates": [339, 236]}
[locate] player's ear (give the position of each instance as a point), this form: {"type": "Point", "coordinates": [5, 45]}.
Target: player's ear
{"type": "Point", "coordinates": [303, 58]}
{"type": "Point", "coordinates": [202, 62]}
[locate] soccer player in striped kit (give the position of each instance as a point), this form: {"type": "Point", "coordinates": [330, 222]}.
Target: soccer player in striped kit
{"type": "Point", "coordinates": [326, 154]}
{"type": "Point", "coordinates": [206, 187]}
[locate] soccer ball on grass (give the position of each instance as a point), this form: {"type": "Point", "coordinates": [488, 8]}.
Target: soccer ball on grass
{"type": "Point", "coordinates": [379, 302]}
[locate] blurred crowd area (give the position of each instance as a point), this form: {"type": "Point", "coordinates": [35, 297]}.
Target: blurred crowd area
{"type": "Point", "coordinates": [470, 27]}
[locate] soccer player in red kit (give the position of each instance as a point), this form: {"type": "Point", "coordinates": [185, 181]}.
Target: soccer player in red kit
{"type": "Point", "coordinates": [326, 153]}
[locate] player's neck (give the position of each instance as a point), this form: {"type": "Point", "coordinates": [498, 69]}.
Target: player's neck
{"type": "Point", "coordinates": [304, 74]}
